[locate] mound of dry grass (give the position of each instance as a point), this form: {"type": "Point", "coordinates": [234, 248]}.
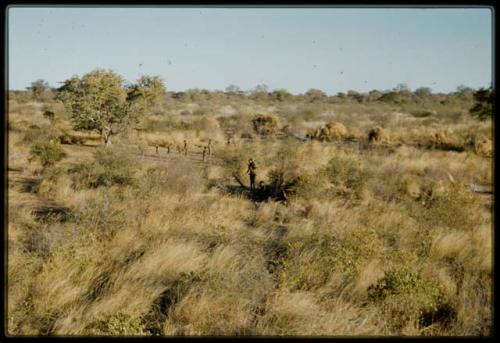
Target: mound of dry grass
{"type": "Point", "coordinates": [378, 135]}
{"type": "Point", "coordinates": [330, 132]}
{"type": "Point", "coordinates": [265, 125]}
{"type": "Point", "coordinates": [483, 147]}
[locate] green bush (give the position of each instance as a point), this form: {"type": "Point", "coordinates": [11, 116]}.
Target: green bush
{"type": "Point", "coordinates": [483, 104]}
{"type": "Point", "coordinates": [455, 209]}
{"type": "Point", "coordinates": [404, 295]}
{"type": "Point", "coordinates": [346, 172]}
{"type": "Point", "coordinates": [116, 324]}
{"type": "Point", "coordinates": [47, 153]}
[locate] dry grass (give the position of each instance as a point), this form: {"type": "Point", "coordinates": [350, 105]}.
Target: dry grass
{"type": "Point", "coordinates": [374, 240]}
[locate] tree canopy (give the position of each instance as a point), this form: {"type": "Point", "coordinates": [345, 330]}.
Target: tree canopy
{"type": "Point", "coordinates": [99, 101]}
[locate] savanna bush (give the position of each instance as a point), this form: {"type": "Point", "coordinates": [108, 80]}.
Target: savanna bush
{"type": "Point", "coordinates": [347, 172]}
{"type": "Point", "coordinates": [48, 154]}
{"type": "Point", "coordinates": [455, 208]}
{"type": "Point", "coordinates": [312, 261]}
{"type": "Point", "coordinates": [404, 295]}
{"type": "Point", "coordinates": [116, 324]}
{"type": "Point", "coordinates": [110, 167]}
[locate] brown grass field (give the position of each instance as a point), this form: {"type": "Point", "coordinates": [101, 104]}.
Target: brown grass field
{"type": "Point", "coordinates": [389, 237]}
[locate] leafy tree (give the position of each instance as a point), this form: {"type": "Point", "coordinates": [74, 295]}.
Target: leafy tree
{"type": "Point", "coordinates": [423, 92]}
{"type": "Point", "coordinates": [352, 94]}
{"type": "Point", "coordinates": [38, 88]}
{"type": "Point", "coordinates": [147, 94]}
{"type": "Point", "coordinates": [281, 94]}
{"type": "Point", "coordinates": [483, 106]}
{"type": "Point", "coordinates": [314, 94]}
{"type": "Point", "coordinates": [262, 88]}
{"type": "Point", "coordinates": [402, 88]}
{"type": "Point", "coordinates": [99, 101]}
{"type": "Point", "coordinates": [374, 95]}
{"type": "Point", "coordinates": [464, 92]}
{"type": "Point", "coordinates": [260, 92]}
{"type": "Point", "coordinates": [48, 113]}
{"type": "Point", "coordinates": [232, 89]}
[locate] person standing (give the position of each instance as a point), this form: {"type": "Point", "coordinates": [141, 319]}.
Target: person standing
{"type": "Point", "coordinates": [205, 152]}
{"type": "Point", "coordinates": [251, 172]}
{"type": "Point", "coordinates": [209, 146]}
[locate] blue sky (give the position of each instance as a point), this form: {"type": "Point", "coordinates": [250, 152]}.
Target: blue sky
{"type": "Point", "coordinates": [333, 49]}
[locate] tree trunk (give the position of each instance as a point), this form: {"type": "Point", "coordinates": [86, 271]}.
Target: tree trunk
{"type": "Point", "coordinates": [107, 140]}
{"type": "Point", "coordinates": [106, 137]}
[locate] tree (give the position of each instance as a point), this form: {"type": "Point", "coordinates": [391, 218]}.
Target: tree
{"type": "Point", "coordinates": [99, 101]}
{"type": "Point", "coordinates": [402, 88]}
{"type": "Point", "coordinates": [423, 92]}
{"type": "Point", "coordinates": [39, 87]}
{"type": "Point", "coordinates": [232, 89]}
{"type": "Point", "coordinates": [483, 106]}
{"type": "Point", "coordinates": [374, 95]}
{"type": "Point", "coordinates": [356, 95]}
{"type": "Point", "coordinates": [280, 94]}
{"type": "Point", "coordinates": [147, 94]}
{"type": "Point", "coordinates": [262, 88]}
{"type": "Point", "coordinates": [315, 94]}
{"type": "Point", "coordinates": [464, 92]}
{"type": "Point", "coordinates": [260, 92]}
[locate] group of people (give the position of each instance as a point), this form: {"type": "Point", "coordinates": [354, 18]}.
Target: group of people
{"type": "Point", "coordinates": [207, 150]}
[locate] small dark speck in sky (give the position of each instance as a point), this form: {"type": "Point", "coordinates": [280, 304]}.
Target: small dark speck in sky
{"type": "Point", "coordinates": [315, 66]}
{"type": "Point", "coordinates": [169, 62]}
{"type": "Point", "coordinates": [140, 64]}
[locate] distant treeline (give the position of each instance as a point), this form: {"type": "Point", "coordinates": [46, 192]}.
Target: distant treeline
{"type": "Point", "coordinates": [399, 95]}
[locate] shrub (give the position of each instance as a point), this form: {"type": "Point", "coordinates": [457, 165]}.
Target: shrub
{"type": "Point", "coordinates": [35, 134]}
{"type": "Point", "coordinates": [66, 138]}
{"type": "Point", "coordinates": [346, 172]}
{"type": "Point", "coordinates": [454, 209]}
{"type": "Point", "coordinates": [483, 106]}
{"type": "Point", "coordinates": [331, 131]}
{"type": "Point", "coordinates": [312, 261]}
{"type": "Point", "coordinates": [378, 135]}
{"type": "Point", "coordinates": [109, 168]}
{"type": "Point", "coordinates": [116, 324]}
{"type": "Point", "coordinates": [405, 296]}
{"type": "Point", "coordinates": [47, 153]}
{"type": "Point", "coordinates": [265, 125]}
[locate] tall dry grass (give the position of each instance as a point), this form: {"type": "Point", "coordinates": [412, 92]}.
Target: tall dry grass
{"type": "Point", "coordinates": [383, 240]}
